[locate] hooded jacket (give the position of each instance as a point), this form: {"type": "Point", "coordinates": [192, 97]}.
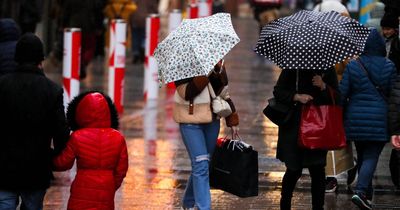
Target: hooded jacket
{"type": "Point", "coordinates": [9, 34]}
{"type": "Point", "coordinates": [99, 149]}
{"type": "Point", "coordinates": [365, 116]}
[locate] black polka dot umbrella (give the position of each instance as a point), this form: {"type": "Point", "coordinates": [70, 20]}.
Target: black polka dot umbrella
{"type": "Point", "coordinates": [311, 40]}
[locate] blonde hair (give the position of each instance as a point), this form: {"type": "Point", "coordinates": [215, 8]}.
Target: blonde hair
{"type": "Point", "coordinates": [268, 16]}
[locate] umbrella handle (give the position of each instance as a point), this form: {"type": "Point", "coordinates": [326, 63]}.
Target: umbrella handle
{"type": "Point", "coordinates": [220, 68]}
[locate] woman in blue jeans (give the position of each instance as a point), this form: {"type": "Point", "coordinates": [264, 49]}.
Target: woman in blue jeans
{"type": "Point", "coordinates": [364, 88]}
{"type": "Point", "coordinates": [199, 128]}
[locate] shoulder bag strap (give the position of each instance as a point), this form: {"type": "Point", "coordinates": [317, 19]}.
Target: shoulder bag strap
{"type": "Point", "coordinates": [297, 85]}
{"type": "Point", "coordinates": [212, 93]}
{"type": "Point", "coordinates": [377, 87]}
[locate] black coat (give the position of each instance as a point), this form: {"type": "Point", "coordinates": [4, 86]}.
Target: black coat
{"type": "Point", "coordinates": [288, 151]}
{"type": "Point", "coordinates": [394, 108]}
{"type": "Point", "coordinates": [81, 14]}
{"type": "Point", "coordinates": [32, 115]}
{"type": "Point", "coordinates": [394, 54]}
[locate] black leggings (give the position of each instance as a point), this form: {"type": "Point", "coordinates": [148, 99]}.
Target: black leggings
{"type": "Point", "coordinates": [289, 181]}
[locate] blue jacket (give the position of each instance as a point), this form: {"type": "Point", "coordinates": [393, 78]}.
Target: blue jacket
{"type": "Point", "coordinates": [365, 110]}
{"type": "Point", "coordinates": [9, 35]}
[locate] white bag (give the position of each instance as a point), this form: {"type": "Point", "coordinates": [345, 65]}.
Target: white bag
{"type": "Point", "coordinates": [219, 105]}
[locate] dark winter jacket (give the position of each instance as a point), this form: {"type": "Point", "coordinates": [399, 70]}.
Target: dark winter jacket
{"type": "Point", "coordinates": [32, 118]}
{"type": "Point", "coordinates": [81, 14]}
{"type": "Point", "coordinates": [9, 35]}
{"type": "Point", "coordinates": [394, 108]}
{"type": "Point", "coordinates": [288, 151]}
{"type": "Point", "coordinates": [30, 11]}
{"type": "Point", "coordinates": [99, 150]}
{"type": "Point", "coordinates": [365, 116]}
{"type": "Point", "coordinates": [394, 54]}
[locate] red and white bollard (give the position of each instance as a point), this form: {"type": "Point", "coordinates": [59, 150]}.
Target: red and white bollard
{"type": "Point", "coordinates": [116, 63]}
{"type": "Point", "coordinates": [210, 6]}
{"type": "Point", "coordinates": [150, 120]}
{"type": "Point", "coordinates": [175, 19]}
{"type": "Point", "coordinates": [192, 11]}
{"type": "Point", "coordinates": [71, 63]}
{"type": "Point", "coordinates": [204, 8]}
{"type": "Point", "coordinates": [151, 85]}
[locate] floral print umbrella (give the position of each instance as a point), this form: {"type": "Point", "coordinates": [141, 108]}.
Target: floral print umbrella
{"type": "Point", "coordinates": [194, 47]}
{"type": "Point", "coordinates": [311, 40]}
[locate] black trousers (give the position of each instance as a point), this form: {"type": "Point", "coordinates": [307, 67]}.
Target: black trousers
{"type": "Point", "coordinates": [289, 181]}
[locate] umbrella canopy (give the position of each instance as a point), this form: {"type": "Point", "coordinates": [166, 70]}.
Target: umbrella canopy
{"type": "Point", "coordinates": [194, 47]}
{"type": "Point", "coordinates": [311, 40]}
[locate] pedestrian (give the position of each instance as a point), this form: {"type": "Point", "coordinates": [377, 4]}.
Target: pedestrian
{"type": "Point", "coordinates": [394, 125]}
{"type": "Point", "coordinates": [138, 26]}
{"type": "Point", "coordinates": [83, 15]}
{"type": "Point", "coordinates": [119, 9]}
{"type": "Point", "coordinates": [377, 12]}
{"type": "Point", "coordinates": [9, 35]}
{"type": "Point", "coordinates": [366, 83]}
{"type": "Point", "coordinates": [390, 30]}
{"type": "Point", "coordinates": [32, 120]}
{"type": "Point", "coordinates": [296, 88]}
{"type": "Point", "coordinates": [199, 133]}
{"type": "Point", "coordinates": [27, 13]}
{"type": "Point", "coordinates": [264, 12]}
{"type": "Point", "coordinates": [30, 14]}
{"type": "Point", "coordinates": [99, 150]}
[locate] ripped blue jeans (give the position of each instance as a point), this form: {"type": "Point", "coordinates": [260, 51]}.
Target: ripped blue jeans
{"type": "Point", "coordinates": [200, 140]}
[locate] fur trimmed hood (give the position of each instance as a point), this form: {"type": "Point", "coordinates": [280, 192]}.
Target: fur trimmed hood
{"type": "Point", "coordinates": [92, 109]}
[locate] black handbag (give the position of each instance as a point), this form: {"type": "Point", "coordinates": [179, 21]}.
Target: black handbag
{"type": "Point", "coordinates": [278, 113]}
{"type": "Point", "coordinates": [394, 166]}
{"type": "Point", "coordinates": [234, 168]}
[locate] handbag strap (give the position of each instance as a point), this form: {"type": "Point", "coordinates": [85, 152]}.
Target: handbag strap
{"type": "Point", "coordinates": [377, 87]}
{"type": "Point", "coordinates": [297, 80]}
{"type": "Point", "coordinates": [211, 89]}
{"type": "Point", "coordinates": [331, 92]}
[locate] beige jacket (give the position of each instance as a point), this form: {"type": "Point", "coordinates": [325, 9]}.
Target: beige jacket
{"type": "Point", "coordinates": [194, 111]}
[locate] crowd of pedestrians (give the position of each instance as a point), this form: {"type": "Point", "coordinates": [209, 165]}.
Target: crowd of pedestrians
{"type": "Point", "coordinates": [38, 137]}
{"type": "Point", "coordinates": [35, 131]}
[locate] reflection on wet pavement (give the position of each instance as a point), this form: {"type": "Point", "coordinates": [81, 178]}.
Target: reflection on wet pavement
{"type": "Point", "coordinates": [158, 162]}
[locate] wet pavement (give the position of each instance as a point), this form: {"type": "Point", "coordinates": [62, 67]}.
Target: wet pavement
{"type": "Point", "coordinates": [158, 163]}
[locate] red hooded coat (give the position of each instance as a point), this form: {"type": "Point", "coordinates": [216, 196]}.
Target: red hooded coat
{"type": "Point", "coordinates": [101, 155]}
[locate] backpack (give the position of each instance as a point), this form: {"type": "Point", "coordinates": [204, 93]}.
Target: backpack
{"type": "Point", "coordinates": [262, 3]}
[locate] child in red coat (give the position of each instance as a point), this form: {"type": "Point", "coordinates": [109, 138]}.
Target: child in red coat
{"type": "Point", "coordinates": [99, 149]}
